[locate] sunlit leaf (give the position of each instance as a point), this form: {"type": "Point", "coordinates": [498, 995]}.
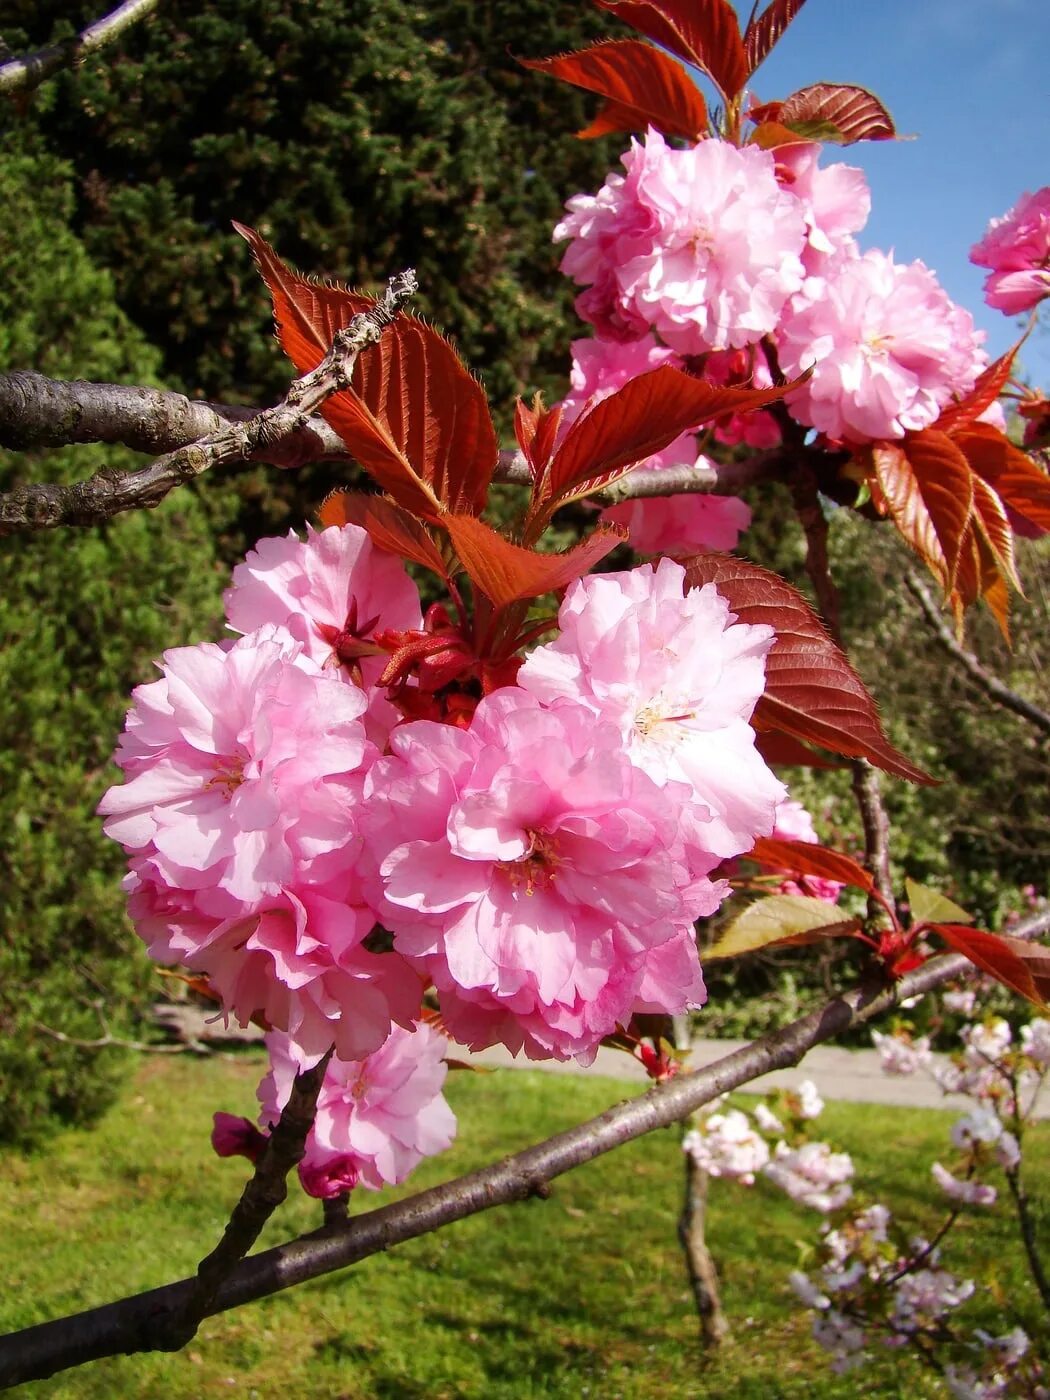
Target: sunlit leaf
{"type": "Point", "coordinates": [1010, 472]}
{"type": "Point", "coordinates": [702, 32]}
{"type": "Point", "coordinates": [807, 858]}
{"type": "Point", "coordinates": [784, 751]}
{"type": "Point", "coordinates": [643, 87]}
{"type": "Point", "coordinates": [506, 572]}
{"type": "Point", "coordinates": [928, 487]}
{"type": "Point", "coordinates": [414, 416]}
{"type": "Point", "coordinates": [781, 918]}
{"type": "Point", "coordinates": [764, 30]}
{"type": "Point", "coordinates": [392, 529]}
{"type": "Point", "coordinates": [928, 906]}
{"type": "Point", "coordinates": [641, 418]}
{"type": "Point", "coordinates": [536, 428]}
{"type": "Point", "coordinates": [989, 385]}
{"type": "Point", "coordinates": [1023, 967]}
{"type": "Point", "coordinates": [812, 691]}
{"type": "Point", "coordinates": [844, 113]}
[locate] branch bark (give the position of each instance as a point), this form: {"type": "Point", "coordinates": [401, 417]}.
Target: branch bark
{"type": "Point", "coordinates": [136, 1323]}
{"type": "Point", "coordinates": [991, 685]}
{"type": "Point", "coordinates": [45, 506]}
{"type": "Point", "coordinates": [22, 74]}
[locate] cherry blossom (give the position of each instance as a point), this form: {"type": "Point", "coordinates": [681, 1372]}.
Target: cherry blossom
{"type": "Point", "coordinates": [536, 875]}
{"type": "Point", "coordinates": [1017, 249]}
{"type": "Point", "coordinates": [725, 1144]}
{"type": "Point", "coordinates": [679, 677]}
{"type": "Point", "coordinates": [701, 245]}
{"type": "Point", "coordinates": [888, 350]}
{"type": "Point", "coordinates": [812, 1174]}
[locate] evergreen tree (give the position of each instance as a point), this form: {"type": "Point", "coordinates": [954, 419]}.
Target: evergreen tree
{"type": "Point", "coordinates": [82, 613]}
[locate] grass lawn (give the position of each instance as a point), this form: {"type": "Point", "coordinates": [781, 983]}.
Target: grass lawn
{"type": "Point", "coordinates": [582, 1295]}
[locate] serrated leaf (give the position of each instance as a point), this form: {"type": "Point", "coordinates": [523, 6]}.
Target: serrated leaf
{"type": "Point", "coordinates": [1023, 967]}
{"type": "Point", "coordinates": [781, 918]}
{"type": "Point", "coordinates": [928, 487]}
{"type": "Point", "coordinates": [989, 385]}
{"type": "Point", "coordinates": [641, 84]}
{"type": "Point", "coordinates": [812, 691]}
{"type": "Point", "coordinates": [536, 429]}
{"type": "Point", "coordinates": [853, 113]}
{"type": "Point", "coordinates": [508, 573]}
{"type": "Point", "coordinates": [413, 416]}
{"type": "Point", "coordinates": [702, 32]}
{"type": "Point", "coordinates": [929, 906]}
{"type": "Point", "coordinates": [807, 858]}
{"type": "Point", "coordinates": [641, 418]}
{"type": "Point", "coordinates": [765, 30]}
{"type": "Point", "coordinates": [1021, 486]}
{"type": "Point", "coordinates": [390, 527]}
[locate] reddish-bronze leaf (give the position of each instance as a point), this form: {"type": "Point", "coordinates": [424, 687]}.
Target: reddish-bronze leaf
{"type": "Point", "coordinates": [990, 384]}
{"type": "Point", "coordinates": [784, 751]}
{"type": "Point", "coordinates": [806, 858]}
{"type": "Point", "coordinates": [703, 32]}
{"type": "Point", "coordinates": [928, 486]}
{"type": "Point", "coordinates": [642, 84]}
{"type": "Point", "coordinates": [306, 313]}
{"type": "Point", "coordinates": [991, 520]}
{"type": "Point", "coordinates": [391, 528]}
{"type": "Point", "coordinates": [812, 691]}
{"type": "Point", "coordinates": [837, 112]}
{"type": "Point", "coordinates": [414, 416]}
{"type": "Point", "coordinates": [507, 572]}
{"type": "Point", "coordinates": [637, 420]}
{"type": "Point", "coordinates": [979, 576]}
{"type": "Point", "coordinates": [770, 136]}
{"type": "Point", "coordinates": [764, 30]}
{"type": "Point", "coordinates": [1023, 967]}
{"type": "Point", "coordinates": [1021, 486]}
{"type": "Point", "coordinates": [536, 428]}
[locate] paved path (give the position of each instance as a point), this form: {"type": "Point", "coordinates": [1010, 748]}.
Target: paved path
{"type": "Point", "coordinates": [854, 1075]}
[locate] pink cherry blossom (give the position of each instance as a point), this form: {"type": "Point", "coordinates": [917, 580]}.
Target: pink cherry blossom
{"type": "Point", "coordinates": [835, 200]}
{"type": "Point", "coordinates": [377, 1117]}
{"type": "Point", "coordinates": [701, 245]}
{"type": "Point", "coordinates": [535, 874]}
{"type": "Point", "coordinates": [1017, 249]}
{"type": "Point", "coordinates": [297, 959]}
{"type": "Point", "coordinates": [331, 592]}
{"type": "Point", "coordinates": [679, 677]}
{"type": "Point", "coordinates": [901, 1055]}
{"type": "Point", "coordinates": [888, 349]}
{"type": "Point", "coordinates": [244, 764]}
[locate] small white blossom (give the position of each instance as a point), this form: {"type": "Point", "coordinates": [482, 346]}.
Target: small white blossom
{"type": "Point", "coordinates": [813, 1175]}
{"type": "Point", "coordinates": [898, 1055]}
{"type": "Point", "coordinates": [811, 1105]}
{"type": "Point", "coordinates": [971, 1193]}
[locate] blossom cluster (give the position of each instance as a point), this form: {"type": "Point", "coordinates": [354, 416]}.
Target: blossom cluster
{"type": "Point", "coordinates": [323, 858]}
{"type": "Point", "coordinates": [725, 260]}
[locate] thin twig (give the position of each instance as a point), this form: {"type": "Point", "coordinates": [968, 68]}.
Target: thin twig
{"type": "Point", "coordinates": [991, 685]}
{"type": "Point", "coordinates": [21, 74]}
{"type": "Point", "coordinates": [108, 1040]}
{"type": "Point", "coordinates": [139, 1323]}
{"type": "Point", "coordinates": [45, 506]}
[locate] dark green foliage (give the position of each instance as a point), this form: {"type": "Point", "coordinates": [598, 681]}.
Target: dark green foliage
{"type": "Point", "coordinates": [81, 615]}
{"type": "Point", "coordinates": [360, 136]}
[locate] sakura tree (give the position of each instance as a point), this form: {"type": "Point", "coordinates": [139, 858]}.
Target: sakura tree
{"type": "Point", "coordinates": [372, 826]}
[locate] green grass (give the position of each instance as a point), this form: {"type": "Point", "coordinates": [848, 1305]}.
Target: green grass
{"type": "Point", "coordinates": [583, 1295]}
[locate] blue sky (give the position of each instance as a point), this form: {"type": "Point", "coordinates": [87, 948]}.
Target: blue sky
{"type": "Point", "coordinates": [971, 80]}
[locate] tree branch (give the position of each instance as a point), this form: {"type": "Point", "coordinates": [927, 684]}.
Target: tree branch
{"type": "Point", "coordinates": [21, 74]}
{"type": "Point", "coordinates": [991, 685]}
{"type": "Point", "coordinates": [140, 1323]}
{"type": "Point", "coordinates": [45, 506]}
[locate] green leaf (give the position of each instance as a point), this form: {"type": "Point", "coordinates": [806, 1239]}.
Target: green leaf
{"type": "Point", "coordinates": [781, 918]}
{"type": "Point", "coordinates": [930, 907]}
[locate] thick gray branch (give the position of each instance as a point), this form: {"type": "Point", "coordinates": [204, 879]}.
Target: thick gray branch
{"type": "Point", "coordinates": [20, 74]}
{"type": "Point", "coordinates": [44, 506]}
{"type": "Point", "coordinates": [991, 685]}
{"type": "Point", "coordinates": [139, 1323]}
